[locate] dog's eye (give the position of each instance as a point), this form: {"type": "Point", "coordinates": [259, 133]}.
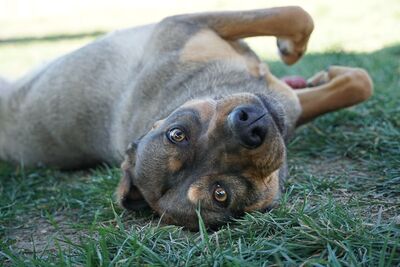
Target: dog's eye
{"type": "Point", "coordinates": [220, 194]}
{"type": "Point", "coordinates": [176, 135]}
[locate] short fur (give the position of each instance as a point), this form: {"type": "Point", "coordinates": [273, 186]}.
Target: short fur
{"type": "Point", "coordinates": [133, 86]}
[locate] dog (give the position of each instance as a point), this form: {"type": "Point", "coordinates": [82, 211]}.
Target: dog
{"type": "Point", "coordinates": [198, 120]}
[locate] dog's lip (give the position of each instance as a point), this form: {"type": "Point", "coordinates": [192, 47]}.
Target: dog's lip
{"type": "Point", "coordinates": [276, 117]}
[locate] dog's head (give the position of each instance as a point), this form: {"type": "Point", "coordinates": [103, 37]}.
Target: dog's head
{"type": "Point", "coordinates": [222, 154]}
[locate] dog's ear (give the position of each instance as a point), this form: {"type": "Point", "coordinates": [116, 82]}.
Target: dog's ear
{"type": "Point", "coordinates": [128, 195]}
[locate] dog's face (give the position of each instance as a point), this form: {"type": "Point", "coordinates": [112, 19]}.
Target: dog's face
{"type": "Point", "coordinates": [222, 155]}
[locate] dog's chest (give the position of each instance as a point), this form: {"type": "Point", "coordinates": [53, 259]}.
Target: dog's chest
{"type": "Point", "coordinates": [206, 46]}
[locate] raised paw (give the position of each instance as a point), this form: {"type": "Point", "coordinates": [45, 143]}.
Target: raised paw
{"type": "Point", "coordinates": [289, 52]}
{"type": "Point", "coordinates": [318, 78]}
{"type": "Point", "coordinates": [292, 46]}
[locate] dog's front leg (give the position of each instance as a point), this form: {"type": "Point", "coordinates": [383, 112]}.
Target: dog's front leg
{"type": "Point", "coordinates": [343, 87]}
{"type": "Point", "coordinates": [291, 25]}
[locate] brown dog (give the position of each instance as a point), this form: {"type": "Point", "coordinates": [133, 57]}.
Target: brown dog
{"type": "Point", "coordinates": [223, 118]}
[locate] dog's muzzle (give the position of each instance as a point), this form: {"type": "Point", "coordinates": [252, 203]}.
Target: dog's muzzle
{"type": "Point", "coordinates": [249, 125]}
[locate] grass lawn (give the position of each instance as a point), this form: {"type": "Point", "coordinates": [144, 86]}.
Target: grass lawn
{"type": "Point", "coordinates": [341, 205]}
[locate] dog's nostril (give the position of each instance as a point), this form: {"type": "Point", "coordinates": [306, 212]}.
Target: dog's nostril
{"type": "Point", "coordinates": [243, 116]}
{"type": "Point", "coordinates": [257, 132]}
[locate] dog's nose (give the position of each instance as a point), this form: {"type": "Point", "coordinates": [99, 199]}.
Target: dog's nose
{"type": "Point", "coordinates": [249, 125]}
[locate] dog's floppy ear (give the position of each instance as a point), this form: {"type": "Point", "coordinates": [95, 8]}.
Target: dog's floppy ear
{"type": "Point", "coordinates": [128, 195]}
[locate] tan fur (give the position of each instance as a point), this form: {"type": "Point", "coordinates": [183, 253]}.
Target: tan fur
{"type": "Point", "coordinates": [206, 108]}
{"type": "Point", "coordinates": [123, 188]}
{"type": "Point", "coordinates": [291, 25]}
{"type": "Point", "coordinates": [194, 194]}
{"type": "Point", "coordinates": [207, 45]}
{"type": "Point", "coordinates": [270, 188]}
{"type": "Point", "coordinates": [346, 87]}
{"type": "Point", "coordinates": [221, 113]}
{"type": "Point", "coordinates": [278, 85]}
{"type": "Point", "coordinates": [174, 165]}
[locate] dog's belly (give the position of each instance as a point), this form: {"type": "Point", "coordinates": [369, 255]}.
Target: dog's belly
{"type": "Point", "coordinates": [62, 114]}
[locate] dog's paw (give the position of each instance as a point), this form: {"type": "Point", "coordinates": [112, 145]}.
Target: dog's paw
{"type": "Point", "coordinates": [289, 52]}
{"type": "Point", "coordinates": [319, 78]}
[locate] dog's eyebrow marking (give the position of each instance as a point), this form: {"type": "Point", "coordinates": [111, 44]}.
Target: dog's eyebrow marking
{"type": "Point", "coordinates": [194, 193]}
{"type": "Point", "coordinates": [204, 109]}
{"type": "Point", "coordinates": [174, 165]}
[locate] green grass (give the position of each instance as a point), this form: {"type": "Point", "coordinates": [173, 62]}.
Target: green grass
{"type": "Point", "coordinates": [341, 206]}
{"type": "Point", "coordinates": [342, 203]}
